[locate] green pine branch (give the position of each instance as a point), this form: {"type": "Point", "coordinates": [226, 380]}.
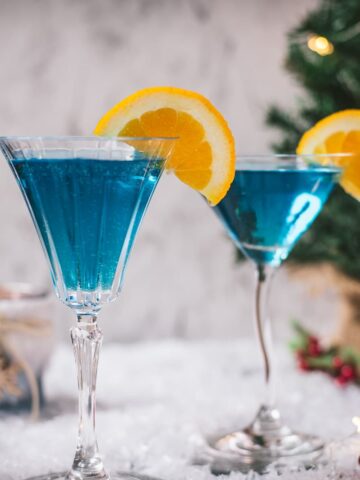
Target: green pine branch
{"type": "Point", "coordinates": [330, 83]}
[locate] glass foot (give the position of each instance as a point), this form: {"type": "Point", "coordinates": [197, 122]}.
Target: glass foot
{"type": "Point", "coordinates": [112, 476]}
{"type": "Point", "coordinates": [267, 441]}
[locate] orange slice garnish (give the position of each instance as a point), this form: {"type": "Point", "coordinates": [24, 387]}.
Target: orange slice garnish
{"type": "Point", "coordinates": [204, 154]}
{"type": "Point", "coordinates": [335, 134]}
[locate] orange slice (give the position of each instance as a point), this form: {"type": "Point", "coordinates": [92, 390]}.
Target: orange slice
{"type": "Point", "coordinates": [337, 133]}
{"type": "Point", "coordinates": [204, 154]}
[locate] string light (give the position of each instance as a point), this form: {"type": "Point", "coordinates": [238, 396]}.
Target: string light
{"type": "Point", "coordinates": [320, 45]}
{"type": "Point", "coordinates": [356, 422]}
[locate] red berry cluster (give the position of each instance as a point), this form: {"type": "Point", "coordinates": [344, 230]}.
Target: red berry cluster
{"type": "Point", "coordinates": [312, 349]}
{"type": "Point", "coordinates": [313, 357]}
{"type": "Point", "coordinates": [343, 372]}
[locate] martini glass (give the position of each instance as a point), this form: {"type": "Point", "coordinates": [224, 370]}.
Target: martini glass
{"type": "Point", "coordinates": [273, 200]}
{"type": "Point", "coordinates": [87, 197]}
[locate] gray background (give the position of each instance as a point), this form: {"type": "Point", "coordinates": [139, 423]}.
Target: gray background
{"type": "Point", "coordinates": [63, 63]}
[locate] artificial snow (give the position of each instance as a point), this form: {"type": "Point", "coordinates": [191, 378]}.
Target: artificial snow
{"type": "Point", "coordinates": [158, 401]}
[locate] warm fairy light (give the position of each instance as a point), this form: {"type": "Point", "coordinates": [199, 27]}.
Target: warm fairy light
{"type": "Point", "coordinates": [356, 422]}
{"type": "Point", "coordinates": [321, 45]}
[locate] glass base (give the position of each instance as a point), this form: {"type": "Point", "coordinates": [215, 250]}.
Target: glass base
{"type": "Point", "coordinates": [112, 476]}
{"type": "Point", "coordinates": [267, 441]}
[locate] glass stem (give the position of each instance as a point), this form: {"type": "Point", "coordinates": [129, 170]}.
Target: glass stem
{"type": "Point", "coordinates": [263, 329]}
{"type": "Point", "coordinates": [86, 338]}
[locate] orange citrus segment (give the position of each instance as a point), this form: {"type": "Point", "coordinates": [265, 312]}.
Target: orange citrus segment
{"type": "Point", "coordinates": [338, 133]}
{"type": "Point", "coordinates": [204, 154]}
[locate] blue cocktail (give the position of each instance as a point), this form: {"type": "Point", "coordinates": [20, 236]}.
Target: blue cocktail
{"type": "Point", "coordinates": [271, 203]}
{"type": "Point", "coordinates": [86, 196]}
{"type": "Point", "coordinates": [87, 212]}
{"type": "Point", "coordinates": [267, 210]}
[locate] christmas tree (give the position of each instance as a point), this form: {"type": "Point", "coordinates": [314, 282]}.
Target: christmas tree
{"type": "Point", "coordinates": [324, 57]}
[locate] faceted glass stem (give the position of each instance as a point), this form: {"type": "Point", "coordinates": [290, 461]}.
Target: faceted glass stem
{"type": "Point", "coordinates": [86, 338]}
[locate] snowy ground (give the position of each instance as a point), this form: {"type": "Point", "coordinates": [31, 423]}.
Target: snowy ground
{"type": "Point", "coordinates": [157, 402]}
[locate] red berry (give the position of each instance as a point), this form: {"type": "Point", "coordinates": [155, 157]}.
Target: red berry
{"type": "Point", "coordinates": [337, 362]}
{"type": "Point", "coordinates": [303, 364]}
{"type": "Point", "coordinates": [341, 381]}
{"type": "Point", "coordinates": [313, 340]}
{"type": "Point", "coordinates": [348, 372]}
{"type": "Point", "coordinates": [300, 354]}
{"type": "Point", "coordinates": [314, 349]}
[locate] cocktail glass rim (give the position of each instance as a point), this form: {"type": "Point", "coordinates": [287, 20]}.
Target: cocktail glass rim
{"type": "Point", "coordinates": [298, 160]}
{"type": "Point", "coordinates": [84, 137]}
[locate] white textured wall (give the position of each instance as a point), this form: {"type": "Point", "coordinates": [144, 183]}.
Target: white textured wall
{"type": "Point", "coordinates": [63, 63]}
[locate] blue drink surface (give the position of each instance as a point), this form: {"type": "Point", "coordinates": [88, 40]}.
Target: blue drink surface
{"type": "Point", "coordinates": [267, 210]}
{"type": "Point", "coordinates": [87, 212]}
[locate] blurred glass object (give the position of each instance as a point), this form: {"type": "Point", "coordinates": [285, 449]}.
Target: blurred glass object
{"type": "Point", "coordinates": [26, 343]}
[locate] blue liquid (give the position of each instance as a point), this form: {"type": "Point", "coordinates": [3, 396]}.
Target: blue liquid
{"type": "Point", "coordinates": [266, 211]}
{"type": "Point", "coordinates": [87, 213]}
